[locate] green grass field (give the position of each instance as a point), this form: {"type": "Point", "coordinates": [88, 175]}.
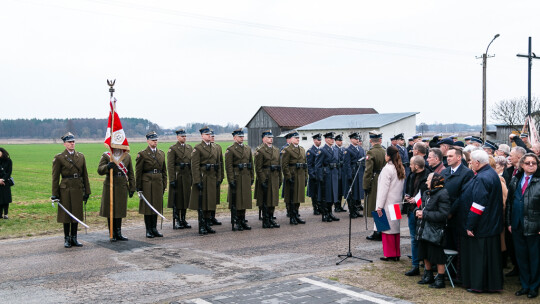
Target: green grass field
{"type": "Point", "coordinates": [31, 212]}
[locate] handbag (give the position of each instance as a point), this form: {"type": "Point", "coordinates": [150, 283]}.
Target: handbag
{"type": "Point", "coordinates": [432, 234]}
{"type": "Point", "coordinates": [10, 182]}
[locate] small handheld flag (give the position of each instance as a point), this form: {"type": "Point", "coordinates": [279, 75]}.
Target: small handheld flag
{"type": "Point", "coordinates": [418, 199]}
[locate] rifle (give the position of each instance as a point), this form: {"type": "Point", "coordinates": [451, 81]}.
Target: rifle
{"type": "Point", "coordinates": [234, 212]}
{"type": "Point", "coordinates": [266, 219]}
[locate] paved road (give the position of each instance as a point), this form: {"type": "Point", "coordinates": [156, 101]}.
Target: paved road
{"type": "Point", "coordinates": [183, 267]}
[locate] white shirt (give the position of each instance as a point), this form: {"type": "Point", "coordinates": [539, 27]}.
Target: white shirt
{"type": "Point", "coordinates": [452, 170]}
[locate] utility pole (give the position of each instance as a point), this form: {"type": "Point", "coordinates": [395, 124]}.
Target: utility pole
{"type": "Point", "coordinates": [484, 57]}
{"type": "Point", "coordinates": [531, 56]}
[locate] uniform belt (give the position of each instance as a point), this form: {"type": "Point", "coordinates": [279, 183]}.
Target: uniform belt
{"type": "Point", "coordinates": [76, 175]}
{"type": "Point", "coordinates": [119, 174]}
{"type": "Point", "coordinates": [299, 165]}
{"type": "Point", "coordinates": [210, 166]}
{"type": "Point", "coordinates": [272, 167]}
{"type": "Point", "coordinates": [155, 171]}
{"type": "Point", "coordinates": [183, 165]}
{"type": "Point", "coordinates": [332, 165]}
{"type": "Point", "coordinates": [243, 166]}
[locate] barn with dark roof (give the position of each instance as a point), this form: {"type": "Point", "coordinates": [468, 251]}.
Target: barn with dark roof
{"type": "Point", "coordinates": [282, 119]}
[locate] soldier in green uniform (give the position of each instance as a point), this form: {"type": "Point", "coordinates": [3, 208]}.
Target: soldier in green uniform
{"type": "Point", "coordinates": [374, 163]}
{"type": "Point", "coordinates": [294, 166]}
{"type": "Point", "coordinates": [239, 167]}
{"type": "Point", "coordinates": [72, 190]}
{"type": "Point", "coordinates": [268, 178]}
{"type": "Point", "coordinates": [206, 171]}
{"type": "Point", "coordinates": [213, 220]}
{"type": "Point", "coordinates": [123, 185]}
{"type": "Point", "coordinates": [151, 174]}
{"type": "Point", "coordinates": [179, 169]}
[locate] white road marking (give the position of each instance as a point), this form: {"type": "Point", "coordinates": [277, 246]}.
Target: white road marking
{"type": "Point", "coordinates": [344, 291]}
{"type": "Point", "coordinates": [200, 301]}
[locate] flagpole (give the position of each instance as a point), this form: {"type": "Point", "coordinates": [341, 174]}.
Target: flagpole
{"type": "Point", "coordinates": [111, 214]}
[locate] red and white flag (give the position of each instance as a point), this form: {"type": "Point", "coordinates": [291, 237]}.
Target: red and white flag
{"type": "Point", "coordinates": [394, 211]}
{"type": "Point", "coordinates": [117, 143]}
{"type": "Point", "coordinates": [418, 199]}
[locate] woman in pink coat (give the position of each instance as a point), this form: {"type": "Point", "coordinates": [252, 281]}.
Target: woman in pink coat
{"type": "Point", "coordinates": [389, 192]}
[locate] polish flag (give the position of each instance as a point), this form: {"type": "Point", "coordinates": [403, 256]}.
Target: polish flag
{"type": "Point", "coordinates": [117, 142]}
{"type": "Point", "coordinates": [418, 199]}
{"type": "Point", "coordinates": [394, 211]}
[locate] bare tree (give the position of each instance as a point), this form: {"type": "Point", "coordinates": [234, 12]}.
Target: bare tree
{"type": "Point", "coordinates": [512, 112]}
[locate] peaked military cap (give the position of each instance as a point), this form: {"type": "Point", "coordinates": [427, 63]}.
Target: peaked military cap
{"type": "Point", "coordinates": [454, 136]}
{"type": "Point", "coordinates": [329, 135]}
{"type": "Point", "coordinates": [317, 136]}
{"type": "Point", "coordinates": [375, 134]}
{"type": "Point", "coordinates": [205, 130]}
{"type": "Point", "coordinates": [447, 141]}
{"type": "Point", "coordinates": [152, 135]}
{"type": "Point", "coordinates": [410, 139]}
{"type": "Point", "coordinates": [467, 138]}
{"type": "Point", "coordinates": [424, 139]}
{"type": "Point", "coordinates": [354, 135]}
{"type": "Point", "coordinates": [238, 132]}
{"type": "Point", "coordinates": [68, 137]}
{"type": "Point", "coordinates": [212, 132]}
{"type": "Point", "coordinates": [267, 133]}
{"type": "Point", "coordinates": [438, 136]}
{"type": "Point", "coordinates": [294, 134]}
{"type": "Point", "coordinates": [459, 144]}
{"type": "Point", "coordinates": [416, 136]}
{"type": "Point", "coordinates": [399, 136]}
{"type": "Point", "coordinates": [477, 139]}
{"type": "Point", "coordinates": [523, 135]}
{"type": "Point", "coordinates": [288, 135]}
{"type": "Point", "coordinates": [339, 137]}
{"type": "Point", "coordinates": [491, 145]}
{"type": "Point", "coordinates": [180, 132]}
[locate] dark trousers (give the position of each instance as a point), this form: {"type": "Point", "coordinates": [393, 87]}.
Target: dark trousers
{"type": "Point", "coordinates": [4, 209]}
{"type": "Point", "coordinates": [528, 258]}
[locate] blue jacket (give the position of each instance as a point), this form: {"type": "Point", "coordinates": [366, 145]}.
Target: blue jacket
{"type": "Point", "coordinates": [327, 165]}
{"type": "Point", "coordinates": [350, 164]}
{"type": "Point", "coordinates": [480, 206]}
{"type": "Point", "coordinates": [454, 183]}
{"type": "Point", "coordinates": [311, 155]}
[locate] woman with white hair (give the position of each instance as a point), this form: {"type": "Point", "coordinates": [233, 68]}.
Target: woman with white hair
{"type": "Point", "coordinates": [480, 218]}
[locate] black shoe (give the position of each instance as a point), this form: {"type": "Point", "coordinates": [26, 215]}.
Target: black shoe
{"type": "Point", "coordinates": [522, 291]}
{"type": "Point", "coordinates": [202, 228]}
{"type": "Point", "coordinates": [244, 224]}
{"type": "Point", "coordinates": [67, 242]}
{"type": "Point", "coordinates": [186, 224]}
{"type": "Point", "coordinates": [413, 272]}
{"type": "Point", "coordinates": [118, 229]}
{"type": "Point", "coordinates": [386, 259]}
{"type": "Point", "coordinates": [338, 208]}
{"type": "Point", "coordinates": [513, 273]}
{"type": "Point", "coordinates": [208, 228]}
{"type": "Point", "coordinates": [299, 220]}
{"type": "Point", "coordinates": [427, 278]}
{"type": "Point", "coordinates": [333, 217]}
{"type": "Point", "coordinates": [214, 221]}
{"type": "Point", "coordinates": [376, 236]}
{"type": "Point", "coordinates": [156, 233]}
{"type": "Point", "coordinates": [148, 225]}
{"type": "Point", "coordinates": [273, 223]}
{"type": "Point", "coordinates": [532, 294]}
{"type": "Point", "coordinates": [114, 230]}
{"type": "Point", "coordinates": [149, 233]}
{"type": "Point", "coordinates": [237, 226]}
{"type": "Point", "coordinates": [292, 220]}
{"type": "Point", "coordinates": [439, 282]}
{"type": "Point", "coordinates": [177, 223]}
{"type": "Point", "coordinates": [74, 241]}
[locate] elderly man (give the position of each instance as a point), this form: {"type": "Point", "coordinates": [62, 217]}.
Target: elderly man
{"type": "Point", "coordinates": [504, 150]}
{"type": "Point", "coordinates": [480, 218]}
{"type": "Point", "coordinates": [435, 160]}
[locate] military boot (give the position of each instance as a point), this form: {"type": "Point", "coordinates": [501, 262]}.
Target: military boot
{"type": "Point", "coordinates": [352, 209]}
{"type": "Point", "coordinates": [266, 221]}
{"type": "Point", "coordinates": [208, 228]}
{"type": "Point", "coordinates": [202, 227]}
{"type": "Point", "coordinates": [155, 232]}
{"type": "Point", "coordinates": [297, 214]}
{"type": "Point", "coordinates": [330, 214]}
{"type": "Point", "coordinates": [213, 219]}
{"type": "Point", "coordinates": [358, 208]}
{"type": "Point", "coordinates": [324, 213]}
{"type": "Point", "coordinates": [316, 210]}
{"type": "Point", "coordinates": [183, 219]}
{"type": "Point", "coordinates": [237, 226]}
{"type": "Point", "coordinates": [117, 223]}
{"type": "Point", "coordinates": [292, 216]}
{"type": "Point", "coordinates": [338, 208]}
{"type": "Point", "coordinates": [67, 239]}
{"type": "Point", "coordinates": [148, 225]}
{"type": "Point", "coordinates": [244, 224]}
{"type": "Point", "coordinates": [74, 241]}
{"type": "Point", "coordinates": [113, 231]}
{"type": "Point", "coordinates": [273, 222]}
{"type": "Point", "coordinates": [177, 223]}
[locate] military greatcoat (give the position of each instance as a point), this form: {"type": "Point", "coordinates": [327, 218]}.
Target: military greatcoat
{"type": "Point", "coordinates": [268, 170]}
{"type": "Point", "coordinates": [179, 170]}
{"type": "Point", "coordinates": [312, 188]}
{"type": "Point", "coordinates": [374, 164]}
{"type": "Point", "coordinates": [240, 170]}
{"type": "Point", "coordinates": [205, 169]}
{"type": "Point", "coordinates": [350, 166]}
{"type": "Point", "coordinates": [151, 176]}
{"type": "Point", "coordinates": [122, 185]}
{"type": "Point", "coordinates": [293, 164]}
{"type": "Point", "coordinates": [221, 175]}
{"type": "Point", "coordinates": [72, 187]}
{"type": "Point", "coordinates": [327, 165]}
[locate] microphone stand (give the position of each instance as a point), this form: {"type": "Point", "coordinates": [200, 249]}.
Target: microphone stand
{"type": "Point", "coordinates": [349, 254]}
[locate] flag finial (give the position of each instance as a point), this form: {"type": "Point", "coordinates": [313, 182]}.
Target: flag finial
{"type": "Point", "coordinates": [111, 85]}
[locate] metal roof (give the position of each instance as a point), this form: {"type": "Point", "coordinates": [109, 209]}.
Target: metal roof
{"type": "Point", "coordinates": [360, 121]}
{"type": "Point", "coordinates": [294, 117]}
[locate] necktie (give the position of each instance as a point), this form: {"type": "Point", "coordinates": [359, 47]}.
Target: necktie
{"type": "Point", "coordinates": [452, 170]}
{"type": "Point", "coordinates": [515, 172]}
{"type": "Point", "coordinates": [525, 185]}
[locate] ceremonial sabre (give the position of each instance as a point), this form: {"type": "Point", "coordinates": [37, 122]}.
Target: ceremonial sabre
{"type": "Point", "coordinates": [68, 213]}
{"type": "Point", "coordinates": [141, 196]}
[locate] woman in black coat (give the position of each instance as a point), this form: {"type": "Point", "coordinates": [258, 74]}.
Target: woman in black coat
{"type": "Point", "coordinates": [5, 187]}
{"type": "Point", "coordinates": [434, 210]}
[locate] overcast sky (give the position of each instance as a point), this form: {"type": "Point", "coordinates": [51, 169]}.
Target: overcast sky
{"type": "Point", "coordinates": [218, 61]}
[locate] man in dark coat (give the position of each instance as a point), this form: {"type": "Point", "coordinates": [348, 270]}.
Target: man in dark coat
{"type": "Point", "coordinates": [375, 161]}
{"type": "Point", "coordinates": [341, 192]}
{"type": "Point", "coordinates": [72, 190]}
{"type": "Point", "coordinates": [179, 169]}
{"type": "Point", "coordinates": [353, 174]}
{"type": "Point", "coordinates": [327, 165]}
{"type": "Point", "coordinates": [313, 187]}
{"type": "Point", "coordinates": [480, 222]}
{"type": "Point", "coordinates": [151, 180]}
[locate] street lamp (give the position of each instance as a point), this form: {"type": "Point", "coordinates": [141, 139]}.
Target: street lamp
{"type": "Point", "coordinates": [484, 63]}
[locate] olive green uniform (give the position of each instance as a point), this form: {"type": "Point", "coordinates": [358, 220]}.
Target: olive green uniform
{"type": "Point", "coordinates": [205, 169]}
{"type": "Point", "coordinates": [179, 169]}
{"type": "Point", "coordinates": [151, 177]}
{"type": "Point", "coordinates": [267, 166]}
{"type": "Point", "coordinates": [374, 163]}
{"type": "Point", "coordinates": [239, 167]}
{"type": "Point", "coordinates": [293, 164]}
{"type": "Point", "coordinates": [121, 187]}
{"type": "Point", "coordinates": [73, 186]}
{"type": "Point", "coordinates": [221, 175]}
